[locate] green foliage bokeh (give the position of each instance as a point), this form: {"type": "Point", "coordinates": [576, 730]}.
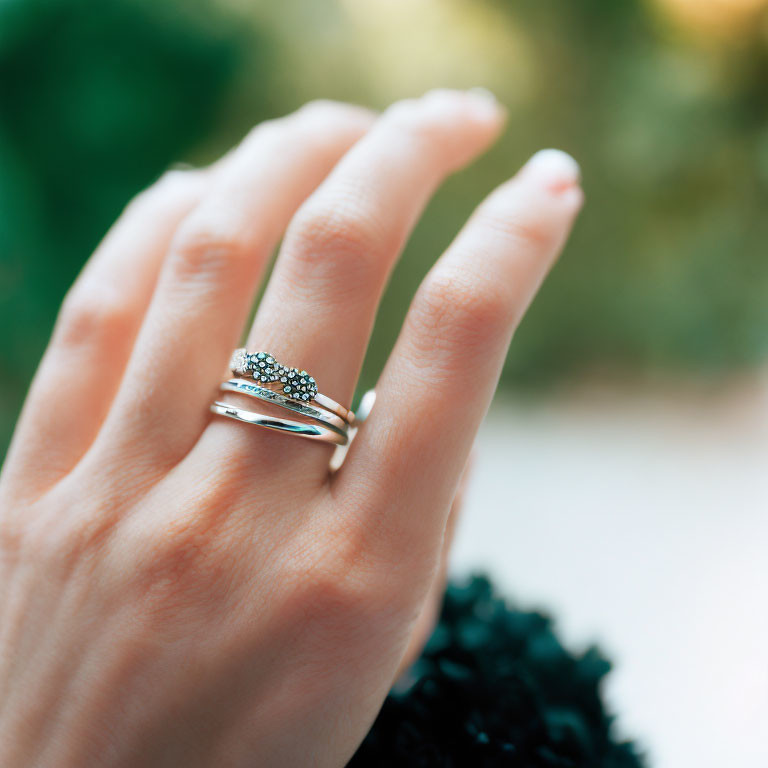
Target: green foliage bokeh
{"type": "Point", "coordinates": [666, 269]}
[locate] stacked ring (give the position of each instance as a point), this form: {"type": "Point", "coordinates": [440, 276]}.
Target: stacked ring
{"type": "Point", "coordinates": [281, 425]}
{"type": "Point", "coordinates": [259, 375]}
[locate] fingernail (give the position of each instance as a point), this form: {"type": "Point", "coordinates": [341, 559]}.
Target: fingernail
{"type": "Point", "coordinates": [485, 101]}
{"type": "Point", "coordinates": [553, 169]}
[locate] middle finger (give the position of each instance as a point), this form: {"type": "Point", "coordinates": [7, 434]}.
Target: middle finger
{"type": "Point", "coordinates": [320, 305]}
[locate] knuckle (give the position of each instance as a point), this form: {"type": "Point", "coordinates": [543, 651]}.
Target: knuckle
{"type": "Point", "coordinates": [331, 239]}
{"type": "Point", "coordinates": [178, 560]}
{"type": "Point", "coordinates": [346, 598]}
{"type": "Point", "coordinates": [49, 534]}
{"type": "Point", "coordinates": [363, 572]}
{"type": "Point", "coordinates": [520, 230]}
{"type": "Point", "coordinates": [93, 312]}
{"type": "Point", "coordinates": [67, 536]}
{"type": "Point", "coordinates": [330, 612]}
{"type": "Point", "coordinates": [454, 310]}
{"type": "Point", "coordinates": [411, 121]}
{"type": "Point", "coordinates": [337, 580]}
{"type": "Point", "coordinates": [337, 229]}
{"type": "Point", "coordinates": [429, 122]}
{"type": "Point", "coordinates": [75, 541]}
{"type": "Point", "coordinates": [206, 245]}
{"type": "Point", "coordinates": [185, 571]}
{"type": "Point", "coordinates": [339, 594]}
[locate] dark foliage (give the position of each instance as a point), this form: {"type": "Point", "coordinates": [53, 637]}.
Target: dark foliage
{"type": "Point", "coordinates": [494, 687]}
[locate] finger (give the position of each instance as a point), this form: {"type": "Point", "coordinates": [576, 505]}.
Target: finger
{"type": "Point", "coordinates": [321, 300]}
{"type": "Point", "coordinates": [95, 331]}
{"type": "Point", "coordinates": [430, 612]}
{"type": "Point", "coordinates": [210, 276]}
{"type": "Point", "coordinates": [442, 374]}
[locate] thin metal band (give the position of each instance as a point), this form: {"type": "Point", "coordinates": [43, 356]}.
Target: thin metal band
{"type": "Point", "coordinates": [331, 405]}
{"type": "Point", "coordinates": [251, 388]}
{"type": "Point", "coordinates": [299, 428]}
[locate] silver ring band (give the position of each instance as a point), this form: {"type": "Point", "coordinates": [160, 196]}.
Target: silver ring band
{"type": "Point", "coordinates": [312, 431]}
{"type": "Point", "coordinates": [333, 407]}
{"type": "Point", "coordinates": [252, 389]}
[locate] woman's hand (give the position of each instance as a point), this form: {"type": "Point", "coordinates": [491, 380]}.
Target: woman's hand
{"type": "Point", "coordinates": [180, 589]}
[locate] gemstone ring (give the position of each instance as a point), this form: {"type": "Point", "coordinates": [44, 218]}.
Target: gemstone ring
{"type": "Point", "coordinates": [292, 383]}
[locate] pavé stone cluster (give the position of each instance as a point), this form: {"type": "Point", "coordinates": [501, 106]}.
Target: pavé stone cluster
{"type": "Point", "coordinates": [262, 367]}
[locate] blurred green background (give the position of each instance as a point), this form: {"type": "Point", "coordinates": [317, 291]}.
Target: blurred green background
{"type": "Point", "coordinates": [664, 103]}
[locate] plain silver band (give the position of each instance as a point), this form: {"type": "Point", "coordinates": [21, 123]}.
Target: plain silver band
{"type": "Point", "coordinates": [246, 387]}
{"type": "Point", "coordinates": [334, 407]}
{"type": "Point", "coordinates": [319, 399]}
{"type": "Point", "coordinates": [299, 428]}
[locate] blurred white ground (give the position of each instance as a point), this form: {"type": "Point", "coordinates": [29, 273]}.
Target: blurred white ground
{"type": "Point", "coordinates": [640, 520]}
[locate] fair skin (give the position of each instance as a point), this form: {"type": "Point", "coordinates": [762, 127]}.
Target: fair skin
{"type": "Point", "coordinates": [181, 589]}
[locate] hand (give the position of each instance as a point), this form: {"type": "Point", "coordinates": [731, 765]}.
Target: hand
{"type": "Point", "coordinates": [180, 589]}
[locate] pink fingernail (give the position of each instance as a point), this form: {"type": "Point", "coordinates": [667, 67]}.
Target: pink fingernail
{"type": "Point", "coordinates": [553, 169]}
